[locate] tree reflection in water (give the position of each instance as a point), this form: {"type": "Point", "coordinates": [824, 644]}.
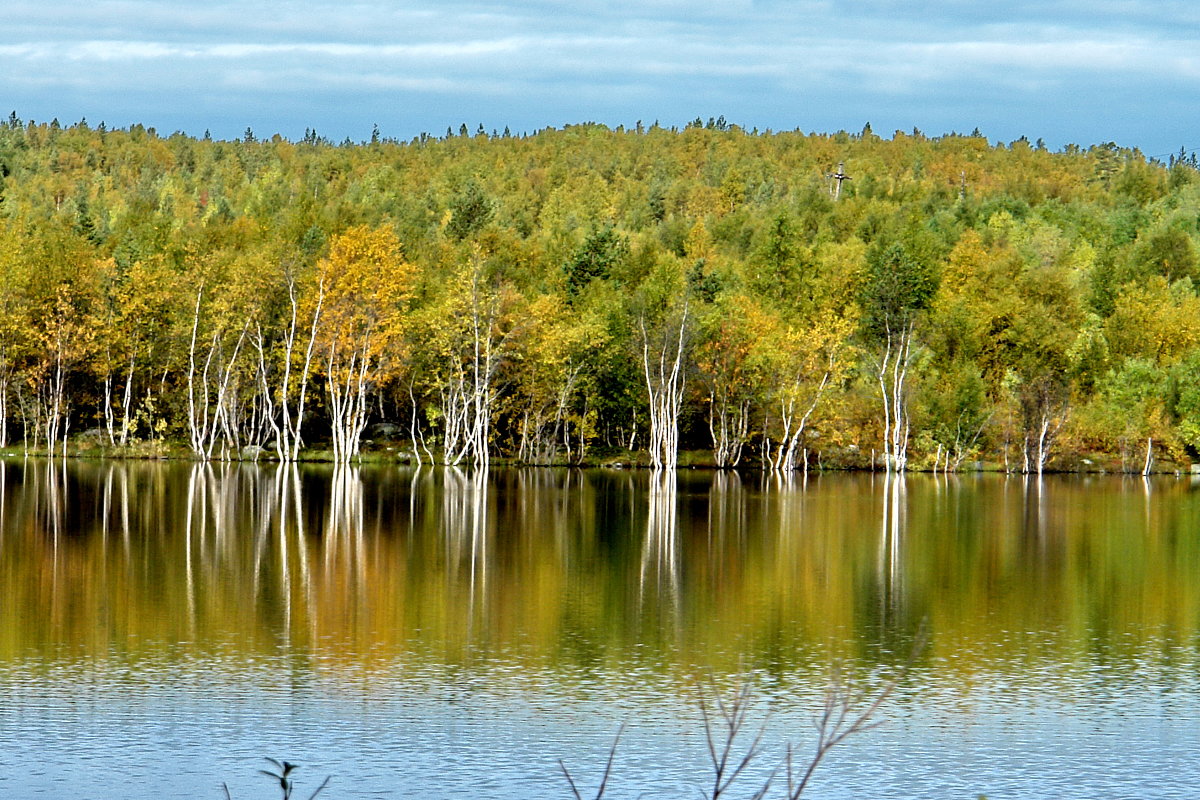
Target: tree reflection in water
{"type": "Point", "coordinates": [343, 543]}
{"type": "Point", "coordinates": [465, 530]}
{"type": "Point", "coordinates": [894, 520]}
{"type": "Point", "coordinates": [660, 551]}
{"type": "Point", "coordinates": [351, 565]}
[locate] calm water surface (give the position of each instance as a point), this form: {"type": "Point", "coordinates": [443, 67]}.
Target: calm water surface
{"type": "Point", "coordinates": [446, 634]}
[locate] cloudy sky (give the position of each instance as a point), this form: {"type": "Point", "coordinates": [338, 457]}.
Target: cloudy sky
{"type": "Point", "coordinates": [1084, 72]}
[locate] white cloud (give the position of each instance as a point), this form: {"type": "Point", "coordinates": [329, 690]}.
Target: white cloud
{"type": "Point", "coordinates": [561, 61]}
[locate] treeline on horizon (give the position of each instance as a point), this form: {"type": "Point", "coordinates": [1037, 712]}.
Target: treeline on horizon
{"type": "Point", "coordinates": [784, 299]}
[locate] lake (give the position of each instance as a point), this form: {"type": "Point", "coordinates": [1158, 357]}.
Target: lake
{"type": "Point", "coordinates": [438, 633]}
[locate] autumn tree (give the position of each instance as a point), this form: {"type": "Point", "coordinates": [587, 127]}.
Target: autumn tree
{"type": "Point", "coordinates": [467, 328]}
{"type": "Point", "coordinates": [1038, 345]}
{"type": "Point", "coordinates": [898, 286]}
{"type": "Point", "coordinates": [589, 286]}
{"type": "Point", "coordinates": [553, 365]}
{"type": "Point", "coordinates": [60, 291]}
{"type": "Point", "coordinates": [664, 322]}
{"type": "Point", "coordinates": [730, 330]}
{"type": "Point", "coordinates": [285, 346]}
{"type": "Point", "coordinates": [364, 284]}
{"type": "Point", "coordinates": [138, 306]}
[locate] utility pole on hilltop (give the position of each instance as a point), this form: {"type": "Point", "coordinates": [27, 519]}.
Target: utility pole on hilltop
{"type": "Point", "coordinates": [836, 178]}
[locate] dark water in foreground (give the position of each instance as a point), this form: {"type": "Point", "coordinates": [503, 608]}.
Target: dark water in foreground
{"type": "Point", "coordinates": [443, 634]}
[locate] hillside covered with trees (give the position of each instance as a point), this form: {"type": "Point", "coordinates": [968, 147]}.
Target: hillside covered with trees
{"type": "Point", "coordinates": [575, 294]}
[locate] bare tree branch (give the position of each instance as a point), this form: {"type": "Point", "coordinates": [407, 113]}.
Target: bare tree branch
{"type": "Point", "coordinates": [612, 753]}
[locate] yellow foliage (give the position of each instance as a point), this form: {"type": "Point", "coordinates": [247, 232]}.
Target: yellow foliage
{"type": "Point", "coordinates": [1155, 320]}
{"type": "Point", "coordinates": [366, 283]}
{"type": "Point", "coordinates": [699, 243]}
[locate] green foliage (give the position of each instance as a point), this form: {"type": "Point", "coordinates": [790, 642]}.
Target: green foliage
{"type": "Point", "coordinates": [779, 259]}
{"type": "Point", "coordinates": [470, 210]}
{"type": "Point", "coordinates": [1169, 253]}
{"type": "Point", "coordinates": [1033, 281]}
{"type": "Point", "coordinates": [602, 253]}
{"type": "Point", "coordinates": [899, 284]}
{"type": "Point", "coordinates": [703, 283]}
{"type": "Point", "coordinates": [1183, 394]}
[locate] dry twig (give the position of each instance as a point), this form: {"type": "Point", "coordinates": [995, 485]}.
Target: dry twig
{"type": "Point", "coordinates": [845, 712]}
{"type": "Point", "coordinates": [721, 731]}
{"type": "Point", "coordinates": [612, 753]}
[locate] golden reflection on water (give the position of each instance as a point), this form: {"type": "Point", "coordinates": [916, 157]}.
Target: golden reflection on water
{"type": "Point", "coordinates": [361, 568]}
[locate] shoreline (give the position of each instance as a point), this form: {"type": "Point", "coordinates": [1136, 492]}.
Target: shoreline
{"type": "Point", "coordinates": [625, 460]}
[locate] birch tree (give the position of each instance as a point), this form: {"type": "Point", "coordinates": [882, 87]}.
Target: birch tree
{"type": "Point", "coordinates": [13, 326]}
{"type": "Point", "coordinates": [66, 337]}
{"type": "Point", "coordinates": [724, 360]}
{"type": "Point", "coordinates": [800, 362]}
{"type": "Point", "coordinates": [214, 348]}
{"type": "Point", "coordinates": [364, 286]}
{"type": "Point", "coordinates": [975, 301]}
{"type": "Point", "coordinates": [664, 332]}
{"type": "Point", "coordinates": [285, 360]}
{"type": "Point", "coordinates": [552, 361]}
{"type": "Point", "coordinates": [61, 296]}
{"type": "Point", "coordinates": [899, 285]}
{"type": "Point", "coordinates": [1039, 343]}
{"type": "Point", "coordinates": [471, 330]}
{"type": "Point", "coordinates": [139, 303]}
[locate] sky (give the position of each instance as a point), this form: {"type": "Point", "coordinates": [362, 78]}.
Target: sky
{"type": "Point", "coordinates": [1126, 71]}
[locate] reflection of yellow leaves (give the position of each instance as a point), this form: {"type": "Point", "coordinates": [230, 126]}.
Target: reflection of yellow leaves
{"type": "Point", "coordinates": [777, 574]}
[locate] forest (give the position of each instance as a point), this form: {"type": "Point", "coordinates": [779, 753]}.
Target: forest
{"type": "Point", "coordinates": [698, 296]}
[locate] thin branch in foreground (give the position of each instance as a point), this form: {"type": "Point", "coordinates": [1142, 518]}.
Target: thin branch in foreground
{"type": "Point", "coordinates": [722, 727]}
{"type": "Point", "coordinates": [612, 753]}
{"type": "Point", "coordinates": [844, 714]}
{"type": "Point", "coordinates": [320, 788]}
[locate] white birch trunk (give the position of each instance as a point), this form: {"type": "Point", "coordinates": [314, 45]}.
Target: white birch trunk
{"type": "Point", "coordinates": [794, 423]}
{"type": "Point", "coordinates": [729, 426]}
{"type": "Point", "coordinates": [662, 366]}
{"type": "Point", "coordinates": [289, 446]}
{"type": "Point", "coordinates": [348, 400]}
{"type": "Point", "coordinates": [110, 422]}
{"type": "Point", "coordinates": [276, 390]}
{"type": "Point", "coordinates": [56, 401]}
{"type": "Point", "coordinates": [469, 394]}
{"type": "Point", "coordinates": [126, 402]}
{"type": "Point", "coordinates": [893, 377]}
{"type": "Point", "coordinates": [1037, 445]}
{"type": "Point", "coordinates": [4, 410]}
{"type": "Point", "coordinates": [209, 416]}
